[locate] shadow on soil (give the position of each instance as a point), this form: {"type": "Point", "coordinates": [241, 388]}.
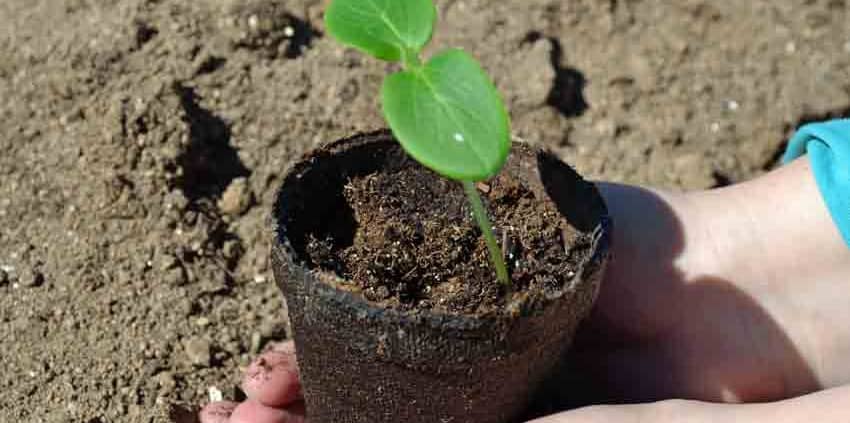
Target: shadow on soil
{"type": "Point", "coordinates": [144, 33]}
{"type": "Point", "coordinates": [302, 38]}
{"type": "Point", "coordinates": [662, 336]}
{"type": "Point", "coordinates": [276, 32]}
{"type": "Point", "coordinates": [567, 95]}
{"type": "Point", "coordinates": [209, 162]}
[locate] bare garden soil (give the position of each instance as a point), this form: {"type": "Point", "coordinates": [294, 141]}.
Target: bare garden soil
{"type": "Point", "coordinates": [142, 141]}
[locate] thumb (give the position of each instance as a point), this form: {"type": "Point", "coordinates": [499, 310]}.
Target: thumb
{"type": "Point", "coordinates": [607, 413]}
{"type": "Point", "coordinates": [828, 406]}
{"type": "Point", "coordinates": [673, 411]}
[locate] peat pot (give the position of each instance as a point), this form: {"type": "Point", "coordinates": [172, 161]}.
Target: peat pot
{"type": "Point", "coordinates": [361, 361]}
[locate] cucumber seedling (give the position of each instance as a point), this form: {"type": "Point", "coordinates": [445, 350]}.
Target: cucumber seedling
{"type": "Point", "coordinates": [446, 112]}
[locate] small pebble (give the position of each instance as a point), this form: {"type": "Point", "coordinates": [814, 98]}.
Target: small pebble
{"type": "Point", "coordinates": [198, 351]}
{"type": "Point", "coordinates": [166, 382]}
{"type": "Point", "coordinates": [177, 200]}
{"type": "Point", "coordinates": [30, 278]}
{"type": "Point", "coordinates": [215, 394]}
{"type": "Point", "coordinates": [237, 198]}
{"type": "Point", "coordinates": [168, 262]}
{"type": "Point", "coordinates": [790, 47]}
{"type": "Point", "coordinates": [230, 250]}
{"type": "Point", "coordinates": [256, 342]}
{"type": "Point", "coordinates": [272, 329]}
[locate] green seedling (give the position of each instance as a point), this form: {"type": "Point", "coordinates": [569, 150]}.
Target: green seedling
{"type": "Point", "coordinates": [446, 112]}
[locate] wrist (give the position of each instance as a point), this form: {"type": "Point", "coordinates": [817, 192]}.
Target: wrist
{"type": "Point", "coordinates": [657, 247]}
{"type": "Point", "coordinates": [776, 243]}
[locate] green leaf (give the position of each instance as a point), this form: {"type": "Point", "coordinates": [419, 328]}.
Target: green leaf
{"type": "Point", "coordinates": [391, 30]}
{"type": "Point", "coordinates": [449, 116]}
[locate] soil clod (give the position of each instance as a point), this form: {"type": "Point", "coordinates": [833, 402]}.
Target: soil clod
{"type": "Point", "coordinates": [237, 198]}
{"type": "Point", "coordinates": [30, 277]}
{"type": "Point", "coordinates": [198, 352]}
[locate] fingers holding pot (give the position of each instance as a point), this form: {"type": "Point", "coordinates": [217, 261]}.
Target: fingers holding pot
{"type": "Point", "coordinates": [272, 379]}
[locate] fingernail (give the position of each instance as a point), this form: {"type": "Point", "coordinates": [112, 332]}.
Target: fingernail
{"type": "Point", "coordinates": [217, 412]}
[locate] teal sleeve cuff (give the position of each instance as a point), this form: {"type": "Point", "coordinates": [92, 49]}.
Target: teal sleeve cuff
{"type": "Point", "coordinates": [828, 147]}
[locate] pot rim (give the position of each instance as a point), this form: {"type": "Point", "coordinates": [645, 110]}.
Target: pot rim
{"type": "Point", "coordinates": [328, 284]}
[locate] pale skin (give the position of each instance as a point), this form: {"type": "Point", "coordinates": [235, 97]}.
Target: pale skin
{"type": "Point", "coordinates": [721, 305]}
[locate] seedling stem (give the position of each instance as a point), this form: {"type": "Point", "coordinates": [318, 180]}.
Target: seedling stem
{"type": "Point", "coordinates": [411, 60]}
{"type": "Point", "coordinates": [480, 214]}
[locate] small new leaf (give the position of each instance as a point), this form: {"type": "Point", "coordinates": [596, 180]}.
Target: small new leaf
{"type": "Point", "coordinates": [449, 116]}
{"type": "Point", "coordinates": [391, 30]}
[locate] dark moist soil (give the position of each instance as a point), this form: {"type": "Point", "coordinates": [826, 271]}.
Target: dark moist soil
{"type": "Point", "coordinates": [416, 245]}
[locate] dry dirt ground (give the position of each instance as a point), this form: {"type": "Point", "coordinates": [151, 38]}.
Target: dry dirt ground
{"type": "Point", "coordinates": [141, 142]}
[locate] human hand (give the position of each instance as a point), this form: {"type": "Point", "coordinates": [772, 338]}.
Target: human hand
{"type": "Point", "coordinates": [699, 303]}
{"type": "Point", "coordinates": [274, 392]}
{"type": "Point", "coordinates": [273, 387]}
{"type": "Point", "coordinates": [828, 406]}
{"type": "Point", "coordinates": [731, 296]}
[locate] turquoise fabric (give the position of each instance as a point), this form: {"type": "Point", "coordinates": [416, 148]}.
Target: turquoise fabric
{"type": "Point", "coordinates": [828, 147]}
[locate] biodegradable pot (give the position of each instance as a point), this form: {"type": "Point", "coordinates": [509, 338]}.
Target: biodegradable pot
{"type": "Point", "coordinates": [363, 363]}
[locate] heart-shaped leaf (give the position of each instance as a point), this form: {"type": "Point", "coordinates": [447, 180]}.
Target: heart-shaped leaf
{"type": "Point", "coordinates": [391, 30]}
{"type": "Point", "coordinates": [449, 116]}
